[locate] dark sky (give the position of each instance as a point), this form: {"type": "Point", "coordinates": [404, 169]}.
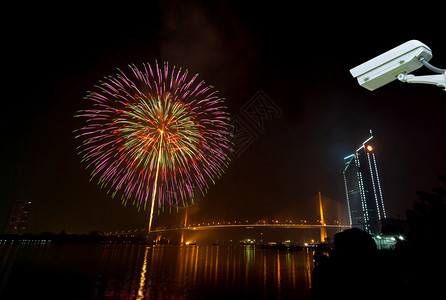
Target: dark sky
{"type": "Point", "coordinates": [299, 56]}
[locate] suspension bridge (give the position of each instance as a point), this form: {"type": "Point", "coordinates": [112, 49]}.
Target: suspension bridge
{"type": "Point", "coordinates": [320, 223]}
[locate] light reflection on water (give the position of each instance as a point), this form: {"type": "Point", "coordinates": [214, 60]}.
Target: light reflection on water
{"type": "Point", "coordinates": [156, 272]}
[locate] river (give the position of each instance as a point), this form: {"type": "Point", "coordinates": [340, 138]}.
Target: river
{"type": "Point", "coordinates": [123, 271]}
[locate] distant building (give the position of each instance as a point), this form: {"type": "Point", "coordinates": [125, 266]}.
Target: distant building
{"type": "Point", "coordinates": [363, 189]}
{"type": "Point", "coordinates": [18, 218]}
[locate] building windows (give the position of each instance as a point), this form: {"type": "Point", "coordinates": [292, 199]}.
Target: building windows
{"type": "Point", "coordinates": [363, 189]}
{"type": "Point", "coordinates": [18, 217]}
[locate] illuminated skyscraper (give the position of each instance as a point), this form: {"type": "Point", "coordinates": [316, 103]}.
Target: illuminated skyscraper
{"type": "Point", "coordinates": [363, 188]}
{"type": "Point", "coordinates": [18, 217]}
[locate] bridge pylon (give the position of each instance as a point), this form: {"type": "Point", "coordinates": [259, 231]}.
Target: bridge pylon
{"type": "Point", "coordinates": [159, 235]}
{"type": "Point", "coordinates": [185, 226]}
{"type": "Point", "coordinates": [323, 228]}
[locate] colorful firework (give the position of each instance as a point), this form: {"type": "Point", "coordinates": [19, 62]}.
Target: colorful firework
{"type": "Point", "coordinates": [155, 137]}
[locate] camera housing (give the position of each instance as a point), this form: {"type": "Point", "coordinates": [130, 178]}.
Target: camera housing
{"type": "Point", "coordinates": [386, 67]}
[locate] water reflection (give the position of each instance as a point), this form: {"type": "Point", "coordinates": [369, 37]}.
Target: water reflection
{"type": "Point", "coordinates": [142, 281]}
{"type": "Point", "coordinates": [192, 271]}
{"type": "Point", "coordinates": [158, 272]}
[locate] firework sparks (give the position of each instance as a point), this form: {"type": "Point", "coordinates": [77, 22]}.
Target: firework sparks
{"type": "Point", "coordinates": [154, 136]}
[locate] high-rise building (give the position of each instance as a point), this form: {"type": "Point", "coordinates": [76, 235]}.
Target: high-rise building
{"type": "Point", "coordinates": [18, 217]}
{"type": "Point", "coordinates": [363, 188]}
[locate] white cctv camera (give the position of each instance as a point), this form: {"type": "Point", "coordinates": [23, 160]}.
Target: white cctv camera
{"type": "Point", "coordinates": [395, 64]}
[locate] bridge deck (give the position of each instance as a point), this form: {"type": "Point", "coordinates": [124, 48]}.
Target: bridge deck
{"type": "Point", "coordinates": [283, 226]}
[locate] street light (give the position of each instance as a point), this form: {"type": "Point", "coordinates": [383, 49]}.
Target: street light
{"type": "Point", "coordinates": [397, 63]}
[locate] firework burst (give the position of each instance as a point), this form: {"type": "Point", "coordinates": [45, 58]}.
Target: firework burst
{"type": "Point", "coordinates": [154, 136]}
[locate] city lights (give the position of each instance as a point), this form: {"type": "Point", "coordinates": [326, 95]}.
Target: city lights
{"type": "Point", "coordinates": [218, 150]}
{"type": "Point", "coordinates": [363, 189]}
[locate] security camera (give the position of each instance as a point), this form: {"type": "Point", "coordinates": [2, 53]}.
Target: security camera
{"type": "Point", "coordinates": [386, 67]}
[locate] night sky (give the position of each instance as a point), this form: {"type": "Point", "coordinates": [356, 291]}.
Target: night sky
{"type": "Point", "coordinates": [299, 56]}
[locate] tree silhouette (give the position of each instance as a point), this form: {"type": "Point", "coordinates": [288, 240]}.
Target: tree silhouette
{"type": "Point", "coordinates": [422, 254]}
